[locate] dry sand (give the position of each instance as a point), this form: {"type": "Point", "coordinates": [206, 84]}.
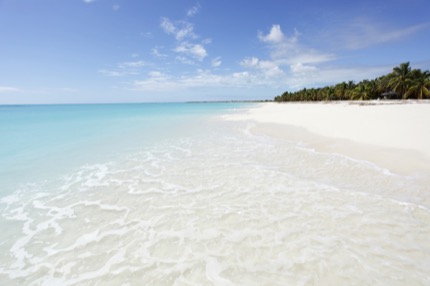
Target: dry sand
{"type": "Point", "coordinates": [391, 134]}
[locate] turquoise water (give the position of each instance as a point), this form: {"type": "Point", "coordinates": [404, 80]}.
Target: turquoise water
{"type": "Point", "coordinates": [175, 194]}
{"type": "Point", "coordinates": [41, 141]}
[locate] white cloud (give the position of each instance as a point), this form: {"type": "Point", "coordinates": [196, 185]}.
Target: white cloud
{"type": "Point", "coordinates": [324, 76]}
{"type": "Point", "coordinates": [115, 7]}
{"type": "Point", "coordinates": [241, 75]}
{"type": "Point", "coordinates": [268, 68]}
{"type": "Point", "coordinates": [291, 51]}
{"type": "Point", "coordinates": [124, 69]}
{"type": "Point", "coordinates": [88, 1]}
{"type": "Point", "coordinates": [303, 76]}
{"type": "Point", "coordinates": [301, 68]}
{"type": "Point", "coordinates": [185, 60]}
{"type": "Point", "coordinates": [216, 62]}
{"type": "Point", "coordinates": [303, 56]}
{"type": "Point", "coordinates": [287, 50]}
{"type": "Point", "coordinates": [181, 29]}
{"type": "Point", "coordinates": [159, 82]}
{"type": "Point", "coordinates": [167, 26]}
{"type": "Point", "coordinates": [155, 52]}
{"type": "Point", "coordinates": [363, 33]}
{"type": "Point", "coordinates": [193, 10]}
{"type": "Point", "coordinates": [196, 51]}
{"type": "Point", "coordinates": [199, 52]}
{"type": "Point", "coordinates": [136, 64]}
{"type": "Point", "coordinates": [157, 74]}
{"type": "Point", "coordinates": [190, 52]}
{"type": "Point", "coordinates": [8, 89]}
{"type": "Point", "coordinates": [275, 35]}
{"type": "Point", "coordinates": [250, 62]}
{"type": "Point", "coordinates": [289, 62]}
{"type": "Point", "coordinates": [292, 65]}
{"type": "Point", "coordinates": [113, 73]}
{"type": "Point", "coordinates": [185, 32]}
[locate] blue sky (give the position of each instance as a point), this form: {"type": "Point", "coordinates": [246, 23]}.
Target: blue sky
{"type": "Point", "coordinates": [88, 51]}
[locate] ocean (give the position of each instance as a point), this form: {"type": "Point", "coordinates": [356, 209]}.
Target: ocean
{"type": "Point", "coordinates": [173, 194]}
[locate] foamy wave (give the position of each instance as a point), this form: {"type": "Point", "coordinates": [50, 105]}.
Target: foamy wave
{"type": "Point", "coordinates": [230, 210]}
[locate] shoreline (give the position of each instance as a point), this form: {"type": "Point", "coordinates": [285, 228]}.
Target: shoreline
{"type": "Point", "coordinates": [392, 136]}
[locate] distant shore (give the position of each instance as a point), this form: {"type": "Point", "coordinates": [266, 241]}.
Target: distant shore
{"type": "Point", "coordinates": [392, 134]}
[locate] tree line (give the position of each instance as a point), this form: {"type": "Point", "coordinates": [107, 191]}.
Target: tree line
{"type": "Point", "coordinates": [402, 83]}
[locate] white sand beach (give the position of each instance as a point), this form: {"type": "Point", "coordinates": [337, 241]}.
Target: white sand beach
{"type": "Point", "coordinates": [392, 134]}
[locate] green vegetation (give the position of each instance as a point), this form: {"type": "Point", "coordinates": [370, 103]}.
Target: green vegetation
{"type": "Point", "coordinates": [402, 83]}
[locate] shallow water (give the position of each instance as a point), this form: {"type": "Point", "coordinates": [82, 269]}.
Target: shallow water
{"type": "Point", "coordinates": [216, 205]}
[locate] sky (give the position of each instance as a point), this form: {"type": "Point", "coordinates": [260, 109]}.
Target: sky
{"type": "Point", "coordinates": [107, 51]}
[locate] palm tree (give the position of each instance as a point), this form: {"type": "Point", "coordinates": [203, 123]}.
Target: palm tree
{"type": "Point", "coordinates": [372, 88]}
{"type": "Point", "coordinates": [402, 82]}
{"type": "Point", "coordinates": [361, 92]}
{"type": "Point", "coordinates": [382, 85]}
{"type": "Point", "coordinates": [340, 90]}
{"type": "Point", "coordinates": [400, 78]}
{"type": "Point", "coordinates": [350, 89]}
{"type": "Point", "coordinates": [351, 85]}
{"type": "Point", "coordinates": [420, 85]}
